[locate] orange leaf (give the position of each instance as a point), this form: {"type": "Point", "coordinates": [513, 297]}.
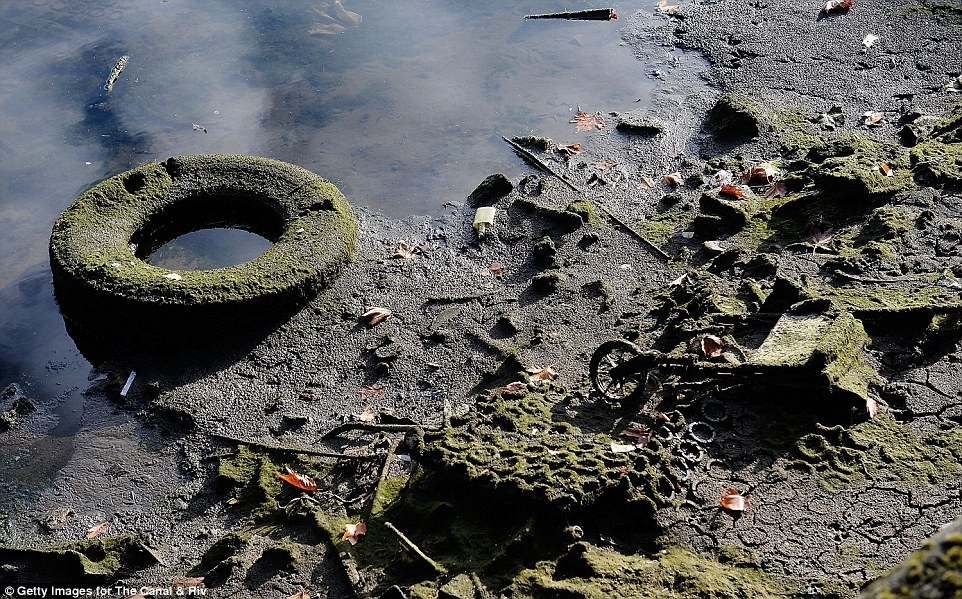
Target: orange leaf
{"type": "Point", "coordinates": [404, 251]}
{"type": "Point", "coordinates": [98, 530]}
{"type": "Point", "coordinates": [886, 170]}
{"type": "Point", "coordinates": [301, 481]}
{"type": "Point", "coordinates": [731, 190]}
{"type": "Point", "coordinates": [777, 190]}
{"type": "Point", "coordinates": [760, 175]}
{"type": "Point", "coordinates": [545, 373]}
{"type": "Point", "coordinates": [569, 149]}
{"type": "Point", "coordinates": [734, 501]}
{"type": "Point", "coordinates": [353, 532]}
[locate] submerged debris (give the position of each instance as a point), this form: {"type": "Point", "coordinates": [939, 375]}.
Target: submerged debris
{"type": "Point", "coordinates": [115, 72]}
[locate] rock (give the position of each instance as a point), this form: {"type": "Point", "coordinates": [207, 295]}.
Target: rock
{"type": "Point", "coordinates": [634, 125]}
{"type": "Point", "coordinates": [734, 116]}
{"type": "Point", "coordinates": [722, 215]}
{"type": "Point", "coordinates": [492, 189]}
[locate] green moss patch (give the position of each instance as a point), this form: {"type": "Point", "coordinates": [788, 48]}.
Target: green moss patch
{"type": "Point", "coordinates": [590, 572]}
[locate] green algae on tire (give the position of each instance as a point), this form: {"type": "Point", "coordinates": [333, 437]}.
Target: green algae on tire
{"type": "Point", "coordinates": [99, 245]}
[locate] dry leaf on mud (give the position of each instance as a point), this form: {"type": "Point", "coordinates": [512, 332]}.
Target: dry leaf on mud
{"type": "Point", "coordinates": [871, 406]}
{"type": "Point", "coordinates": [586, 122]}
{"type": "Point", "coordinates": [836, 5]}
{"type": "Point", "coordinates": [674, 179]}
{"type": "Point", "coordinates": [760, 175]}
{"type": "Point", "coordinates": [734, 501]}
{"type": "Point", "coordinates": [371, 392]}
{"type": "Point", "coordinates": [887, 170]}
{"type": "Point", "coordinates": [183, 582]}
{"type": "Point", "coordinates": [711, 346]}
{"type": "Point", "coordinates": [732, 191]}
{"type": "Point", "coordinates": [646, 183]}
{"type": "Point", "coordinates": [300, 595]}
{"type": "Point", "coordinates": [569, 149]}
{"type": "Point", "coordinates": [515, 386]}
{"type": "Point", "coordinates": [404, 251]}
{"type": "Point", "coordinates": [622, 447]}
{"type": "Point", "coordinates": [873, 117]}
{"type": "Point", "coordinates": [604, 164]}
{"type": "Point", "coordinates": [376, 314]}
{"type": "Point", "coordinates": [354, 532]}
{"type": "Point", "coordinates": [641, 435]}
{"type": "Point", "coordinates": [96, 531]}
{"type": "Point", "coordinates": [301, 481]}
{"type": "Point", "coordinates": [495, 269]}
{"type": "Point", "coordinates": [367, 415]}
{"type": "Point", "coordinates": [545, 373]}
{"type": "Point", "coordinates": [777, 190]}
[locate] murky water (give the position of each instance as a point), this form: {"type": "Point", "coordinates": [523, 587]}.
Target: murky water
{"type": "Point", "coordinates": [404, 111]}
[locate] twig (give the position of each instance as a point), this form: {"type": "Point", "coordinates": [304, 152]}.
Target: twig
{"type": "Point", "coordinates": [301, 450]}
{"type": "Point", "coordinates": [597, 14]}
{"type": "Point", "coordinates": [375, 427]}
{"type": "Point", "coordinates": [544, 166]}
{"type": "Point", "coordinates": [410, 545]}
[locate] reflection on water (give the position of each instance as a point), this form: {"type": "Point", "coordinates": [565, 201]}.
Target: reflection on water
{"type": "Point", "coordinates": [403, 110]}
{"type": "Point", "coordinates": [209, 248]}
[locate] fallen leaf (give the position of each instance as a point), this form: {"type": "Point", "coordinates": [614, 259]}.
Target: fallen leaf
{"type": "Point", "coordinates": [871, 406]}
{"type": "Point", "coordinates": [832, 119]}
{"type": "Point", "coordinates": [720, 178]}
{"type": "Point", "coordinates": [760, 175]}
{"type": "Point", "coordinates": [301, 481]}
{"type": "Point", "coordinates": [371, 392]}
{"type": "Point", "coordinates": [569, 149]}
{"type": "Point", "coordinates": [646, 183]}
{"type": "Point", "coordinates": [545, 373]}
{"type": "Point", "coordinates": [515, 386]}
{"type": "Point", "coordinates": [733, 191]}
{"type": "Point", "coordinates": [663, 6]}
{"type": "Point", "coordinates": [367, 415]}
{"type": "Point", "coordinates": [96, 531]}
{"type": "Point", "coordinates": [887, 170]}
{"type": "Point", "coordinates": [641, 435]}
{"type": "Point", "coordinates": [711, 346]}
{"type": "Point", "coordinates": [354, 532]}
{"type": "Point", "coordinates": [836, 5]}
{"type": "Point", "coordinates": [869, 40]}
{"type": "Point", "coordinates": [819, 238]}
{"type": "Point", "coordinates": [375, 315]}
{"type": "Point", "coordinates": [622, 447]}
{"type": "Point", "coordinates": [404, 251]}
{"type": "Point", "coordinates": [734, 501]}
{"type": "Point", "coordinates": [182, 582]}
{"type": "Point", "coordinates": [496, 269]}
{"type": "Point", "coordinates": [604, 164]}
{"type": "Point", "coordinates": [300, 595]}
{"type": "Point", "coordinates": [674, 179]}
{"type": "Point", "coordinates": [873, 118]}
{"type": "Point", "coordinates": [586, 122]}
{"type": "Point", "coordinates": [777, 190]}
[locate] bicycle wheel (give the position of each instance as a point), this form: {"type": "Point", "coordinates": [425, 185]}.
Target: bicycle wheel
{"type": "Point", "coordinates": [609, 377]}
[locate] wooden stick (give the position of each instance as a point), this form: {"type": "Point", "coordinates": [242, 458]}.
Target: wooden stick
{"type": "Point", "coordinates": [410, 545]}
{"type": "Point", "coordinates": [597, 14]}
{"type": "Point", "coordinates": [301, 450]}
{"type": "Point", "coordinates": [528, 156]}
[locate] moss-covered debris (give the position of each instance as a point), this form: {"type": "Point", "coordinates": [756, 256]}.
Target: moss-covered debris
{"type": "Point", "coordinates": [521, 444]}
{"type": "Point", "coordinates": [932, 572]}
{"type": "Point", "coordinates": [591, 572]}
{"type": "Point", "coordinates": [94, 561]}
{"type": "Point", "coordinates": [938, 160]}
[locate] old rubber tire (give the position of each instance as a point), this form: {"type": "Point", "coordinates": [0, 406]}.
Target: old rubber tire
{"type": "Point", "coordinates": [98, 246]}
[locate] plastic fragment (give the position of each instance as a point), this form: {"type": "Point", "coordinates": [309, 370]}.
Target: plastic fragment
{"type": "Point", "coordinates": [130, 381]}
{"type": "Point", "coordinates": [483, 219]}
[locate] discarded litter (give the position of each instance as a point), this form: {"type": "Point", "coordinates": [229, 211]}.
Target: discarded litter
{"type": "Point", "coordinates": [598, 14]}
{"type": "Point", "coordinates": [484, 218]}
{"type": "Point", "coordinates": [130, 381]}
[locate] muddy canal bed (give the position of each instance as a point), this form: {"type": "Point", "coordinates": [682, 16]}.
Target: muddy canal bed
{"type": "Point", "coordinates": [463, 430]}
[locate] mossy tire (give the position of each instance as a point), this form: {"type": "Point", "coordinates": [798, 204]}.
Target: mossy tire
{"type": "Point", "coordinates": [99, 244]}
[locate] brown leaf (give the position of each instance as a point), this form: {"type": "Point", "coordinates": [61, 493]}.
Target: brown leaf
{"type": "Point", "coordinates": [674, 179]}
{"type": "Point", "coordinates": [367, 415]}
{"type": "Point", "coordinates": [604, 164]}
{"type": "Point", "coordinates": [301, 481]}
{"type": "Point", "coordinates": [837, 5]}
{"type": "Point", "coordinates": [569, 149]}
{"type": "Point", "coordinates": [354, 532]}
{"type": "Point", "coordinates": [375, 315]}
{"type": "Point", "coordinates": [732, 191]}
{"type": "Point", "coordinates": [777, 190]}
{"type": "Point", "coordinates": [760, 175]}
{"type": "Point", "coordinates": [734, 501]}
{"type": "Point", "coordinates": [515, 386]}
{"type": "Point", "coordinates": [646, 183]}
{"type": "Point", "coordinates": [404, 251]}
{"type": "Point", "coordinates": [496, 269]}
{"type": "Point", "coordinates": [182, 582]}
{"type": "Point", "coordinates": [300, 595]}
{"type": "Point", "coordinates": [641, 435]}
{"type": "Point", "coordinates": [371, 392]}
{"type": "Point", "coordinates": [96, 531]}
{"type": "Point", "coordinates": [887, 170]}
{"type": "Point", "coordinates": [711, 346]}
{"type": "Point", "coordinates": [586, 122]}
{"type": "Point", "coordinates": [545, 373]}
